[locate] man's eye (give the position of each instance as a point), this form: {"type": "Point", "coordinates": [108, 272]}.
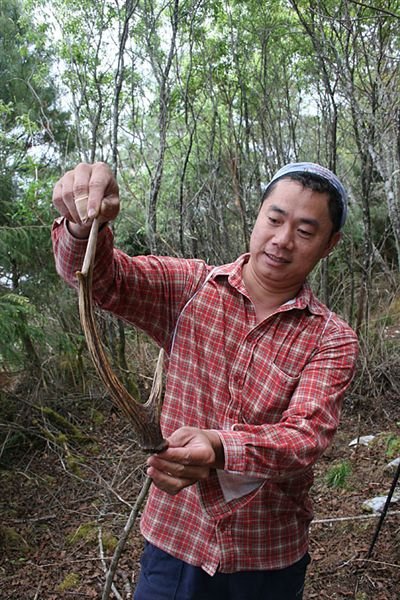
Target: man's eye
{"type": "Point", "coordinates": [305, 232]}
{"type": "Point", "coordinates": [273, 221]}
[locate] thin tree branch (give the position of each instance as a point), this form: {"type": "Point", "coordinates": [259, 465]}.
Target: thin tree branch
{"type": "Point", "coordinates": [122, 541]}
{"type": "Point", "coordinates": [375, 8]}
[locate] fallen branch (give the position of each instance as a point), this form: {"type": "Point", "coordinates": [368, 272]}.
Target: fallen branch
{"type": "Point", "coordinates": [103, 562]}
{"type": "Point", "coordinates": [355, 518]}
{"type": "Point", "coordinates": [122, 540]}
{"type": "Point", "coordinates": [377, 562]}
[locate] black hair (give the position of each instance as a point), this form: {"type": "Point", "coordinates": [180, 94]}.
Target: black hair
{"type": "Point", "coordinates": [317, 184]}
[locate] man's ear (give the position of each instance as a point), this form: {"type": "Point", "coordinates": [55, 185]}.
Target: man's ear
{"type": "Point", "coordinates": [334, 239]}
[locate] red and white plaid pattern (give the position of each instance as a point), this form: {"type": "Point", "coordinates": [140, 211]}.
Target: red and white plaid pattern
{"type": "Point", "coordinates": [273, 390]}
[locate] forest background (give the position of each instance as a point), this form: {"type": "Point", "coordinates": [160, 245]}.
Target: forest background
{"type": "Point", "coordinates": [194, 104]}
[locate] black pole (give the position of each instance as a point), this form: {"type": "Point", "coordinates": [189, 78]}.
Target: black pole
{"type": "Point", "coordinates": [385, 509]}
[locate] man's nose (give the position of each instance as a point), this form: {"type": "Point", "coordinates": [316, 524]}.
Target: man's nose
{"type": "Point", "coordinates": [284, 237]}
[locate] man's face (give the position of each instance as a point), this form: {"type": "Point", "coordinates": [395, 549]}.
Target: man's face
{"type": "Point", "coordinates": [293, 231]}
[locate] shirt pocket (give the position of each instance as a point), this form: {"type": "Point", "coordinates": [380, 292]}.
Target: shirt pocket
{"type": "Point", "coordinates": [266, 394]}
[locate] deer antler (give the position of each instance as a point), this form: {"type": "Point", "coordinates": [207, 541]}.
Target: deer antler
{"type": "Point", "coordinates": [144, 417]}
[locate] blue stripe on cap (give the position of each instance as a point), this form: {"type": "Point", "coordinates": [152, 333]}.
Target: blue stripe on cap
{"type": "Point", "coordinates": [323, 172]}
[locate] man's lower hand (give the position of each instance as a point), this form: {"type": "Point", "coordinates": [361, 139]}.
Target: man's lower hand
{"type": "Point", "coordinates": [190, 456]}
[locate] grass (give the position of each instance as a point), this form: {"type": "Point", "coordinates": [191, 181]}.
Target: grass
{"type": "Point", "coordinates": [338, 474]}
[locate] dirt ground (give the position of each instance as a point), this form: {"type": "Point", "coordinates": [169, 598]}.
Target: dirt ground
{"type": "Point", "coordinates": [63, 507]}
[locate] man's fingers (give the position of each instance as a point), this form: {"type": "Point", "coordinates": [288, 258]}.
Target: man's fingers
{"type": "Point", "coordinates": [86, 192]}
{"type": "Point", "coordinates": [110, 208]}
{"type": "Point", "coordinates": [178, 470]}
{"type": "Point", "coordinates": [81, 178]}
{"type": "Point", "coordinates": [102, 192]}
{"type": "Point", "coordinates": [168, 482]}
{"type": "Point", "coordinates": [188, 459]}
{"type": "Point", "coordinates": [67, 189]}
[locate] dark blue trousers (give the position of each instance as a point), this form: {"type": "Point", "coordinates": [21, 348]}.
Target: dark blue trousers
{"type": "Point", "coordinates": [164, 577]}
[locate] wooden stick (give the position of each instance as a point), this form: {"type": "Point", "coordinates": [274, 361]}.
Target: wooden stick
{"type": "Point", "coordinates": [122, 540]}
{"type": "Point", "coordinates": [384, 511]}
{"type": "Point", "coordinates": [90, 253]}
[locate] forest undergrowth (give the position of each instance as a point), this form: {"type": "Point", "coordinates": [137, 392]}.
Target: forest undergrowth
{"type": "Point", "coordinates": [70, 472]}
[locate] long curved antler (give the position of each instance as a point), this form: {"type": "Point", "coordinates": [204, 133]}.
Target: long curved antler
{"type": "Point", "coordinates": [145, 418]}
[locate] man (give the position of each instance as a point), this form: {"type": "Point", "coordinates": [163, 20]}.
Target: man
{"type": "Point", "coordinates": [257, 372]}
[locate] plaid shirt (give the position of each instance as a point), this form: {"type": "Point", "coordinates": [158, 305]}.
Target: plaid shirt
{"type": "Point", "coordinates": [273, 390]}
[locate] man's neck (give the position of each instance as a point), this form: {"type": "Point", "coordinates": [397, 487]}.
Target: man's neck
{"type": "Point", "coordinates": [265, 298]}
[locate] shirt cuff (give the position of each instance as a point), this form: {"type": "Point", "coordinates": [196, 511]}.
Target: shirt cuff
{"type": "Point", "coordinates": [234, 451]}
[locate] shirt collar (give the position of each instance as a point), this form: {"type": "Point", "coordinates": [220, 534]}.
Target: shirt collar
{"type": "Point", "coordinates": [304, 299]}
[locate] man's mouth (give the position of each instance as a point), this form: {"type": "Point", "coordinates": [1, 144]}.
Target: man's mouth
{"type": "Point", "coordinates": [277, 259]}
